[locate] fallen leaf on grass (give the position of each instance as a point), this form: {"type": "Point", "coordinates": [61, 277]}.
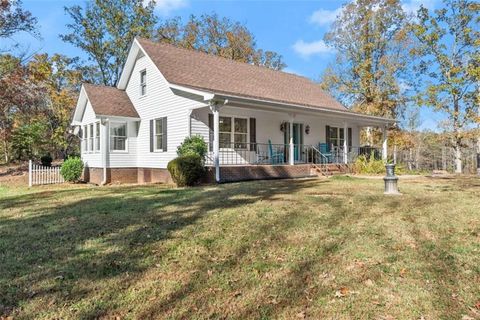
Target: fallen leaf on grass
{"type": "Point", "coordinates": [369, 283]}
{"type": "Point", "coordinates": [342, 292]}
{"type": "Point", "coordinates": [301, 315]}
{"type": "Point", "coordinates": [403, 272]}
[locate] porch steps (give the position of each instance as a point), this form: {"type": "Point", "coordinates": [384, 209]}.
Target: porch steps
{"type": "Point", "coordinates": [331, 169]}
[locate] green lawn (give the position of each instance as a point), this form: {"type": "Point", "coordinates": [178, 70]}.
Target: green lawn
{"type": "Point", "coordinates": [322, 249]}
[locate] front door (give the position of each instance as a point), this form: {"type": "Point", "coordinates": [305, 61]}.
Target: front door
{"type": "Point", "coordinates": [297, 140]}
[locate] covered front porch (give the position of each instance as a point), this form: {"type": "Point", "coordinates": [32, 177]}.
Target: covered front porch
{"type": "Point", "coordinates": [241, 133]}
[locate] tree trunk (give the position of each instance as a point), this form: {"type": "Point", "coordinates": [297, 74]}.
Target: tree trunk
{"type": "Point", "coordinates": [5, 149]}
{"type": "Point", "coordinates": [458, 157]}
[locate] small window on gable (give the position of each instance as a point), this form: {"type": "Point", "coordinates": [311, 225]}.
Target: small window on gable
{"type": "Point", "coordinates": [143, 82]}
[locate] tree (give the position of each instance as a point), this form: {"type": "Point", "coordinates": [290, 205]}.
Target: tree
{"type": "Point", "coordinates": [370, 39]}
{"type": "Point", "coordinates": [218, 36]}
{"type": "Point", "coordinates": [20, 98]}
{"type": "Point", "coordinates": [62, 77]}
{"type": "Point", "coordinates": [448, 63]}
{"type": "Point", "coordinates": [105, 29]}
{"type": "Point", "coordinates": [14, 19]}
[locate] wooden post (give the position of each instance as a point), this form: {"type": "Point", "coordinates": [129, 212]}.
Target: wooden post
{"type": "Point", "coordinates": [384, 144]}
{"type": "Point", "coordinates": [291, 158]}
{"type": "Point", "coordinates": [345, 143]}
{"type": "Point", "coordinates": [30, 173]}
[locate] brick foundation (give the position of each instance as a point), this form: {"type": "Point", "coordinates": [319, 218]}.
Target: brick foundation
{"type": "Point", "coordinates": [127, 175]}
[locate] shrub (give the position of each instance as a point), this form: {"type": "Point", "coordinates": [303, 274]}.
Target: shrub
{"type": "Point", "coordinates": [193, 146]}
{"type": "Point", "coordinates": [369, 165]}
{"type": "Point", "coordinates": [46, 160]}
{"type": "Point", "coordinates": [186, 170]}
{"type": "Point", "coordinates": [72, 169]}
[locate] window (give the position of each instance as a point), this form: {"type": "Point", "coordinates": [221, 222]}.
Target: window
{"type": "Point", "coordinates": [90, 137]}
{"type": "Point", "coordinates": [97, 136]}
{"type": "Point", "coordinates": [235, 135]}
{"type": "Point", "coordinates": [240, 133]}
{"type": "Point", "coordinates": [337, 136]}
{"type": "Point", "coordinates": [118, 136]}
{"type": "Point", "coordinates": [143, 82]}
{"type": "Point", "coordinates": [225, 130]}
{"type": "Point", "coordinates": [158, 134]}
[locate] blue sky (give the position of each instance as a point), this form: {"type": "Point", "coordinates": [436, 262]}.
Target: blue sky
{"type": "Point", "coordinates": [294, 29]}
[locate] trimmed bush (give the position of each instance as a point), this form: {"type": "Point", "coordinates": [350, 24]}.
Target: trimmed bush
{"type": "Point", "coordinates": [72, 169]}
{"type": "Point", "coordinates": [186, 170]}
{"type": "Point", "coordinates": [193, 146]}
{"type": "Point", "coordinates": [46, 160]}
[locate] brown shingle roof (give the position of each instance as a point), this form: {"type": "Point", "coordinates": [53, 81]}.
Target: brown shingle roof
{"type": "Point", "coordinates": [109, 101]}
{"type": "Point", "coordinates": [219, 75]}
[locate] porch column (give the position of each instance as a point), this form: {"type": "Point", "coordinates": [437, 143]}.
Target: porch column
{"type": "Point", "coordinates": [216, 140]}
{"type": "Point", "coordinates": [345, 143]}
{"type": "Point", "coordinates": [384, 144]}
{"type": "Point", "coordinates": [291, 158]}
{"type": "Point", "coordinates": [104, 147]}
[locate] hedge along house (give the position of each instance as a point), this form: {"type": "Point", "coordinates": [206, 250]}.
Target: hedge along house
{"type": "Point", "coordinates": [259, 123]}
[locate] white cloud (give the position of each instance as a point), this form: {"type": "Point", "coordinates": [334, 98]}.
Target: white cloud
{"type": "Point", "coordinates": [411, 6]}
{"type": "Point", "coordinates": [165, 7]}
{"type": "Point", "coordinates": [324, 17]}
{"type": "Point", "coordinates": [306, 49]}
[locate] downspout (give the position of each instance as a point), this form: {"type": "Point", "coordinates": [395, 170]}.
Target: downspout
{"type": "Point", "coordinates": [189, 118]}
{"type": "Point", "coordinates": [105, 149]}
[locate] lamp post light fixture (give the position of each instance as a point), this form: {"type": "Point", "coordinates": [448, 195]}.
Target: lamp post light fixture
{"type": "Point", "coordinates": [391, 180]}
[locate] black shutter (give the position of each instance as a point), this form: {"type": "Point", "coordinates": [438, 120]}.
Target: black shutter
{"type": "Point", "coordinates": [151, 135]}
{"type": "Point", "coordinates": [253, 134]}
{"type": "Point", "coordinates": [210, 131]}
{"type": "Point", "coordinates": [164, 134]}
{"type": "Point", "coordinates": [349, 137]}
{"type": "Point", "coordinates": [327, 137]}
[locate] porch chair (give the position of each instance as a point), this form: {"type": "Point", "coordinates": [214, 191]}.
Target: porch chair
{"type": "Point", "coordinates": [324, 149]}
{"type": "Point", "coordinates": [275, 157]}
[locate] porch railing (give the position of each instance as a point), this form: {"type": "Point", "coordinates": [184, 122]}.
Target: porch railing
{"type": "Point", "coordinates": [249, 154]}
{"type": "Point", "coordinates": [273, 154]}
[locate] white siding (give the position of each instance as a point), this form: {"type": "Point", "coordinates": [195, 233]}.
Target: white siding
{"type": "Point", "coordinates": [158, 102]}
{"type": "Point", "coordinates": [90, 159]}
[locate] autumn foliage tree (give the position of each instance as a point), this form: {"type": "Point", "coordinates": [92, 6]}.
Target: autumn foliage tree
{"type": "Point", "coordinates": [105, 29]}
{"type": "Point", "coordinates": [370, 39]}
{"type": "Point", "coordinates": [449, 63]}
{"type": "Point", "coordinates": [218, 36]}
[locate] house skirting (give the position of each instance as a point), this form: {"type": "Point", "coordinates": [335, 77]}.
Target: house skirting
{"type": "Point", "coordinates": [127, 175]}
{"type": "Point", "coordinates": [227, 174]}
{"type": "Point", "coordinates": [263, 172]}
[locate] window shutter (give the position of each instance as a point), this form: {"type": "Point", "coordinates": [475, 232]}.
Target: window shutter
{"type": "Point", "coordinates": [253, 134]}
{"type": "Point", "coordinates": [327, 138]}
{"type": "Point", "coordinates": [151, 135]}
{"type": "Point", "coordinates": [350, 137]}
{"type": "Point", "coordinates": [164, 134]}
{"type": "Point", "coordinates": [210, 131]}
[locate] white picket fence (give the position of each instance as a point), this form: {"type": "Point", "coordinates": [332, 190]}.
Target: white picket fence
{"type": "Point", "coordinates": [38, 174]}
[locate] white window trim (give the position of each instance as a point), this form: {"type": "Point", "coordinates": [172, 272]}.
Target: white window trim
{"type": "Point", "coordinates": [143, 84]}
{"type": "Point", "coordinates": [155, 134]}
{"type": "Point", "coordinates": [110, 137]}
{"type": "Point", "coordinates": [91, 138]}
{"type": "Point", "coordinates": [232, 131]}
{"type": "Point", "coordinates": [97, 133]}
